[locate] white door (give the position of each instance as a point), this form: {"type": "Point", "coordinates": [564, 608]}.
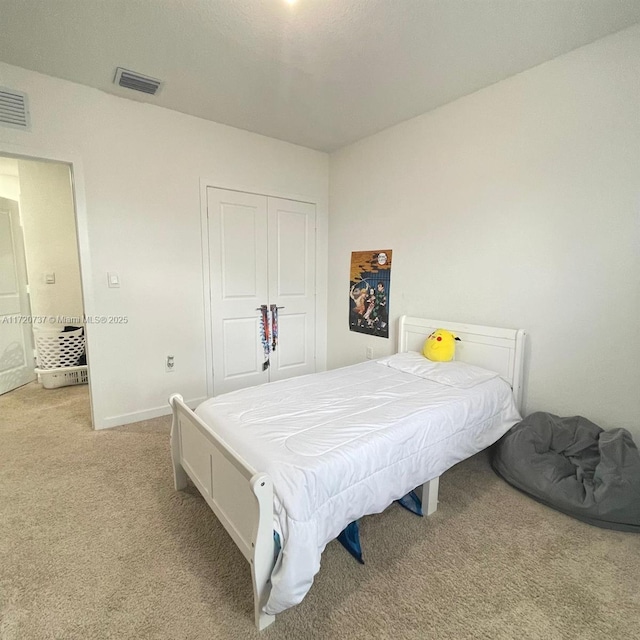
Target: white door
{"type": "Point", "coordinates": [239, 286]}
{"type": "Point", "coordinates": [16, 338]}
{"type": "Point", "coordinates": [261, 252]}
{"type": "Point", "coordinates": [292, 285]}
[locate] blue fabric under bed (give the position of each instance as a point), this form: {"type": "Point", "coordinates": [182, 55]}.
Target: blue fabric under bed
{"type": "Point", "coordinates": [350, 536]}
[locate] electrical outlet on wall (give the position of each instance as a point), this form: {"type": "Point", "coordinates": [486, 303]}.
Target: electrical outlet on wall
{"type": "Point", "coordinates": [369, 353]}
{"type": "Point", "coordinates": [169, 364]}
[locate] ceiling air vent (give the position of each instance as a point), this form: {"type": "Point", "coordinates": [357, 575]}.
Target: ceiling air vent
{"type": "Point", "coordinates": [14, 109]}
{"type": "Point", "coordinates": [136, 81]}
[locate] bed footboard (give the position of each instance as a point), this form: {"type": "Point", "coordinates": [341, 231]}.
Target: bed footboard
{"type": "Point", "coordinates": [240, 497]}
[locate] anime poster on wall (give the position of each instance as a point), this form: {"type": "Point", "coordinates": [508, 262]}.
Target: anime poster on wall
{"type": "Point", "coordinates": [369, 290]}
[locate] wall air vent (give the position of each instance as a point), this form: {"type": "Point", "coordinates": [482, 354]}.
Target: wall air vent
{"type": "Point", "coordinates": [14, 109]}
{"type": "Point", "coordinates": [136, 81]}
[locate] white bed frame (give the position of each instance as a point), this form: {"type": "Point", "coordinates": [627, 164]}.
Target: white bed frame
{"type": "Point", "coordinates": [242, 498]}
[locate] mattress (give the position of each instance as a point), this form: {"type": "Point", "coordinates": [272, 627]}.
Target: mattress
{"type": "Point", "coordinates": [346, 443]}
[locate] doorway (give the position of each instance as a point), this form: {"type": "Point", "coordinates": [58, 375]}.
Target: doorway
{"type": "Point", "coordinates": [261, 252]}
{"type": "Point", "coordinates": [42, 316]}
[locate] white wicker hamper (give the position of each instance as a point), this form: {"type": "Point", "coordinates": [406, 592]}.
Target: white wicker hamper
{"type": "Point", "coordinates": [57, 355]}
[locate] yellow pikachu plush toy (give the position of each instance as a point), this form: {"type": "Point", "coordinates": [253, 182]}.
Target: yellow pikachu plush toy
{"type": "Point", "coordinates": [440, 346]}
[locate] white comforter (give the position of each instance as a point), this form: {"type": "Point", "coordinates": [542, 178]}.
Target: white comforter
{"type": "Point", "coordinates": [346, 443]}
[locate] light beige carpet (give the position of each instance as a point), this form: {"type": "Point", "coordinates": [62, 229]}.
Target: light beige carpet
{"type": "Point", "coordinates": [95, 543]}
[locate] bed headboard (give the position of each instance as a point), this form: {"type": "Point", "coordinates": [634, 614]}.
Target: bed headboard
{"type": "Point", "coordinates": [500, 350]}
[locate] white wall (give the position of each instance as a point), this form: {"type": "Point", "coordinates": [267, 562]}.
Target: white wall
{"type": "Point", "coordinates": [9, 187]}
{"type": "Point", "coordinates": [48, 220]}
{"type": "Point", "coordinates": [141, 168]}
{"type": "Point", "coordinates": [517, 206]}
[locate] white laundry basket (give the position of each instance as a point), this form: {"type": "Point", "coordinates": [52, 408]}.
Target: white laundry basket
{"type": "Point", "coordinates": [64, 377]}
{"type": "Point", "coordinates": [57, 355]}
{"type": "Point", "coordinates": [56, 348]}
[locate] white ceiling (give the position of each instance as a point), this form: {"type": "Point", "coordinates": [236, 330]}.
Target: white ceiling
{"type": "Point", "coordinates": [320, 73]}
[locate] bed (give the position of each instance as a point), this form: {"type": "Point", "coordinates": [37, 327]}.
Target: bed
{"type": "Point", "coordinates": [298, 460]}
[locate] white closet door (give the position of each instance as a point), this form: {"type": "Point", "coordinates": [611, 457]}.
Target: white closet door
{"type": "Point", "coordinates": [239, 285]}
{"type": "Point", "coordinates": [16, 340]}
{"type": "Point", "coordinates": [292, 285]}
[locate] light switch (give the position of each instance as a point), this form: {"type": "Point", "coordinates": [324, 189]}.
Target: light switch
{"type": "Point", "coordinates": [50, 278]}
{"type": "Point", "coordinates": [113, 279]}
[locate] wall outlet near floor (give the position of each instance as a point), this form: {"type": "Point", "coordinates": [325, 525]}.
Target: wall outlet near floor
{"type": "Point", "coordinates": [169, 364]}
{"type": "Point", "coordinates": [369, 353]}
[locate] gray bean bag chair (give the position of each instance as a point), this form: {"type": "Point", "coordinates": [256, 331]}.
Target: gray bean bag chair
{"type": "Point", "coordinates": [574, 466]}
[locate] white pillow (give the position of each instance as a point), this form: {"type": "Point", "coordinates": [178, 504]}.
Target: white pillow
{"type": "Point", "coordinates": [453, 374]}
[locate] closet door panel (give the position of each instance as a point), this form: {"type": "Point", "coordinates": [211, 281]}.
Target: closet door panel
{"type": "Point", "coordinates": [239, 285]}
{"type": "Point", "coordinates": [292, 349]}
{"type": "Point", "coordinates": [292, 285]}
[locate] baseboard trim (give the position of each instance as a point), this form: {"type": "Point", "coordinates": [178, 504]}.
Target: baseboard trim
{"type": "Point", "coordinates": [139, 416]}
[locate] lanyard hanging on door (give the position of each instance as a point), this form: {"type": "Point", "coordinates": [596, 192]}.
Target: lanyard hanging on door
{"type": "Point", "coordinates": [264, 335]}
{"type": "Point", "coordinates": [274, 327]}
{"type": "Point", "coordinates": [268, 331]}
